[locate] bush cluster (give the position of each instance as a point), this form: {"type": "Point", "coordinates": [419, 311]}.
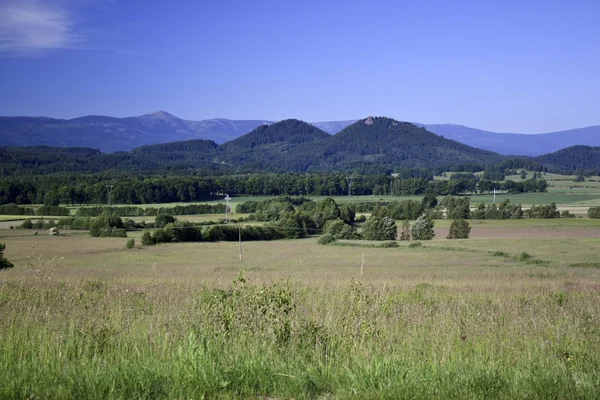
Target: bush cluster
{"type": "Point", "coordinates": [4, 263]}
{"type": "Point", "coordinates": [53, 210]}
{"type": "Point", "coordinates": [459, 229]}
{"type": "Point", "coordinates": [593, 212]}
{"type": "Point", "coordinates": [136, 211]}
{"type": "Point", "coordinates": [543, 212]}
{"type": "Point", "coordinates": [422, 229]}
{"type": "Point", "coordinates": [13, 209]}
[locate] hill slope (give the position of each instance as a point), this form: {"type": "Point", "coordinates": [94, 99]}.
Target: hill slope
{"type": "Point", "coordinates": [572, 159]}
{"type": "Point", "coordinates": [385, 141]}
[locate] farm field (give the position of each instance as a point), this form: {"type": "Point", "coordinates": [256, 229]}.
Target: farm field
{"type": "Point", "coordinates": [512, 312]}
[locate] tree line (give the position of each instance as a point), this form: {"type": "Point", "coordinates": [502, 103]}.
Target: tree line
{"type": "Point", "coordinates": [138, 189]}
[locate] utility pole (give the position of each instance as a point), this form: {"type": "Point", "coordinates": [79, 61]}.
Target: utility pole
{"type": "Point", "coordinates": [109, 189]}
{"type": "Point", "coordinates": [494, 195]}
{"type": "Point", "coordinates": [227, 208]}
{"type": "Point", "coordinates": [240, 241]}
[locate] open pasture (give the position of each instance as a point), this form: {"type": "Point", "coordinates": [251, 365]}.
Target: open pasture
{"type": "Point", "coordinates": [85, 317]}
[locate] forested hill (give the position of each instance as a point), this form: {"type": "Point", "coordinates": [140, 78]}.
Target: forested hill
{"type": "Point", "coordinates": [370, 145]}
{"type": "Point", "coordinates": [373, 144]}
{"type": "Point", "coordinates": [572, 159]}
{"type": "Point", "coordinates": [385, 141]}
{"type": "Point", "coordinates": [286, 132]}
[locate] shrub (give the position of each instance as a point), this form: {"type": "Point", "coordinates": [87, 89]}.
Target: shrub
{"type": "Point", "coordinates": [593, 212]}
{"type": "Point", "coordinates": [380, 229]}
{"type": "Point", "coordinates": [566, 214]}
{"type": "Point", "coordinates": [415, 244]}
{"type": "Point", "coordinates": [326, 239]}
{"type": "Point", "coordinates": [422, 229]}
{"type": "Point", "coordinates": [130, 244]}
{"type": "Point", "coordinates": [147, 239]}
{"type": "Point", "coordinates": [386, 245]}
{"type": "Point", "coordinates": [542, 212]}
{"type": "Point", "coordinates": [525, 256]}
{"type": "Point", "coordinates": [184, 231]}
{"type": "Point", "coordinates": [13, 209]}
{"type": "Point", "coordinates": [161, 236]}
{"type": "Point", "coordinates": [460, 229]}
{"type": "Point", "coordinates": [348, 232]}
{"type": "Point", "coordinates": [163, 220]}
{"type": "Point", "coordinates": [27, 224]}
{"type": "Point", "coordinates": [4, 263]}
{"type": "Point", "coordinates": [52, 210]}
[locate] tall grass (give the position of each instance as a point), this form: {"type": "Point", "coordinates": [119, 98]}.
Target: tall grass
{"type": "Point", "coordinates": [92, 339]}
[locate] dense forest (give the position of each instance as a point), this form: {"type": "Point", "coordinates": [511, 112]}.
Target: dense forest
{"type": "Point", "coordinates": [141, 189]}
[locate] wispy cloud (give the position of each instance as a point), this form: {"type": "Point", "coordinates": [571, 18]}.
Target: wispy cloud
{"type": "Point", "coordinates": [34, 26]}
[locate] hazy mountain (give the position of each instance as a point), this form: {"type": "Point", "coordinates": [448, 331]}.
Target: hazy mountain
{"type": "Point", "coordinates": [333, 127]}
{"type": "Point", "coordinates": [110, 134]}
{"type": "Point", "coordinates": [516, 143]}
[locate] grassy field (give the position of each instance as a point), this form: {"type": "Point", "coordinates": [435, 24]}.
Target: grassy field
{"type": "Point", "coordinates": [84, 317]}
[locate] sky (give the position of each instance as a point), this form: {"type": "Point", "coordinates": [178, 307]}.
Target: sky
{"type": "Point", "coordinates": [522, 66]}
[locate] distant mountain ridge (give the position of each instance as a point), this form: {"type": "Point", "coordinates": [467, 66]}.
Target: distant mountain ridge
{"type": "Point", "coordinates": [373, 145]}
{"type": "Point", "coordinates": [518, 143]}
{"type": "Point", "coordinates": [111, 134]}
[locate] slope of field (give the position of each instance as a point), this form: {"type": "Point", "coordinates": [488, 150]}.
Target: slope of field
{"type": "Point", "coordinates": [463, 318]}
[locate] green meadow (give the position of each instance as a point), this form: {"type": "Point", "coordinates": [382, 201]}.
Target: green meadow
{"type": "Point", "coordinates": [490, 317]}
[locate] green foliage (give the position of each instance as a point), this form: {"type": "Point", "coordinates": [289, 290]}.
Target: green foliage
{"type": "Point", "coordinates": [415, 244]}
{"type": "Point", "coordinates": [457, 207]}
{"type": "Point", "coordinates": [379, 229]}
{"type": "Point", "coordinates": [27, 224]}
{"type": "Point", "coordinates": [13, 209]}
{"type": "Point", "coordinates": [566, 214]}
{"type": "Point", "coordinates": [147, 239]}
{"type": "Point", "coordinates": [405, 233]}
{"type": "Point", "coordinates": [422, 229]}
{"type": "Point", "coordinates": [593, 212]}
{"type": "Point", "coordinates": [52, 210]}
{"type": "Point", "coordinates": [525, 256]}
{"type": "Point", "coordinates": [543, 211]}
{"type": "Point", "coordinates": [505, 210]}
{"type": "Point", "coordinates": [326, 239]}
{"type": "Point", "coordinates": [183, 231]}
{"type": "Point", "coordinates": [137, 211]}
{"type": "Point", "coordinates": [430, 200]}
{"type": "Point", "coordinates": [407, 209]}
{"type": "Point", "coordinates": [162, 236]}
{"type": "Point", "coordinates": [572, 159]}
{"type": "Point", "coordinates": [340, 230]}
{"type": "Point", "coordinates": [106, 226]}
{"type": "Point", "coordinates": [4, 263]}
{"type": "Point", "coordinates": [130, 243]}
{"type": "Point", "coordinates": [163, 220]}
{"type": "Point", "coordinates": [459, 229]}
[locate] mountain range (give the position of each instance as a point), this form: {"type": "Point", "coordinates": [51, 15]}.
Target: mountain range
{"type": "Point", "coordinates": [111, 134]}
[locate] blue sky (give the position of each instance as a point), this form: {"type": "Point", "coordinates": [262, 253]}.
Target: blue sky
{"type": "Point", "coordinates": [507, 66]}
